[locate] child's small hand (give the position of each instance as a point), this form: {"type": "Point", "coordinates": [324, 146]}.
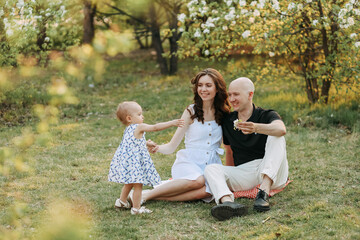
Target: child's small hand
{"type": "Point", "coordinates": [151, 146]}
{"type": "Point", "coordinates": [179, 123]}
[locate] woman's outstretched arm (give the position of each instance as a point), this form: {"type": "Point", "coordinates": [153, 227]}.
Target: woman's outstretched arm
{"type": "Point", "coordinates": [170, 147]}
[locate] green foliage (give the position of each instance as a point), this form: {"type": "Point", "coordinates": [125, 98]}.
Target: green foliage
{"type": "Point", "coordinates": [16, 101]}
{"type": "Point", "coordinates": [283, 92]}
{"type": "Point", "coordinates": [32, 28]}
{"type": "Point", "coordinates": [345, 115]}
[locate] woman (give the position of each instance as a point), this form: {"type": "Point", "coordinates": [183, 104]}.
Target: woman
{"type": "Point", "coordinates": [203, 137]}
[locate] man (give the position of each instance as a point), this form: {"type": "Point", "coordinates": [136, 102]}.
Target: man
{"type": "Point", "coordinates": [255, 154]}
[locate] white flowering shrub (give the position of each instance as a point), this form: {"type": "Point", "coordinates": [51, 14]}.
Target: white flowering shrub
{"type": "Point", "coordinates": [322, 36]}
{"type": "Point", "coordinates": [33, 27]}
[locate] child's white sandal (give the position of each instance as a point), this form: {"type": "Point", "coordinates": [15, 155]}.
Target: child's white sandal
{"type": "Point", "coordinates": [135, 211]}
{"type": "Point", "coordinates": [121, 205]}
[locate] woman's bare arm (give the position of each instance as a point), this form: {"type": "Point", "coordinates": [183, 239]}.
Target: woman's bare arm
{"type": "Point", "coordinates": [171, 146]}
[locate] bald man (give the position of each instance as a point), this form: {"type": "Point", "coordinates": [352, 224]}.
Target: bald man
{"type": "Point", "coordinates": [255, 154]}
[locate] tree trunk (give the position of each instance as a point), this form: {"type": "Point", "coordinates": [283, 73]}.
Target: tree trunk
{"type": "Point", "coordinates": [325, 90]}
{"type": "Point", "coordinates": [173, 39]}
{"type": "Point", "coordinates": [156, 41]}
{"type": "Point", "coordinates": [330, 49]}
{"type": "Point", "coordinates": [41, 35]}
{"type": "Point", "coordinates": [141, 33]}
{"type": "Point", "coordinates": [2, 31]}
{"type": "Point", "coordinates": [173, 57]}
{"type": "Point", "coordinates": [312, 89]}
{"type": "Point", "coordinates": [138, 39]}
{"type": "Point", "coordinates": [89, 28]}
{"type": "Point", "coordinates": [307, 57]}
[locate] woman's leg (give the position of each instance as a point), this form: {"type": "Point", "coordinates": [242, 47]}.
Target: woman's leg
{"type": "Point", "coordinates": [174, 188]}
{"type": "Point", "coordinates": [196, 194]}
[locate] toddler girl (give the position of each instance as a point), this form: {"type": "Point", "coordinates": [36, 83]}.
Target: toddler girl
{"type": "Point", "coordinates": [131, 164]}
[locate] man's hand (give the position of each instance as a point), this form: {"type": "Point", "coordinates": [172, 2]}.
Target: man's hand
{"type": "Point", "coordinates": [151, 146]}
{"type": "Point", "coordinates": [247, 127]}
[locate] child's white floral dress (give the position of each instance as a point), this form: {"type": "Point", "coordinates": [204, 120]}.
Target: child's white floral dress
{"type": "Point", "coordinates": [132, 162]}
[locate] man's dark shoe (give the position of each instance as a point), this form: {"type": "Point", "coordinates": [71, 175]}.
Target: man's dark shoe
{"type": "Point", "coordinates": [262, 201]}
{"type": "Point", "coordinates": [228, 210]}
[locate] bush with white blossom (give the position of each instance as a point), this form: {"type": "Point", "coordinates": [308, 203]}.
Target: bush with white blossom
{"type": "Point", "coordinates": [320, 35]}
{"type": "Point", "coordinates": [34, 27]}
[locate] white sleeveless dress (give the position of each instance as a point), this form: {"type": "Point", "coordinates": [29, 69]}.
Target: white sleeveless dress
{"type": "Point", "coordinates": [202, 147]}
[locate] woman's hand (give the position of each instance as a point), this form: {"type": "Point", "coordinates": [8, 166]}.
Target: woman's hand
{"type": "Point", "coordinates": [152, 146]}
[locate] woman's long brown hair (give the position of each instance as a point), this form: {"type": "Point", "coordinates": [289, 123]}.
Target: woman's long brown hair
{"type": "Point", "coordinates": [221, 102]}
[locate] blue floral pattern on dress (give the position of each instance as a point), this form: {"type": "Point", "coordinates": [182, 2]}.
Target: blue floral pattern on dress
{"type": "Point", "coordinates": [132, 162]}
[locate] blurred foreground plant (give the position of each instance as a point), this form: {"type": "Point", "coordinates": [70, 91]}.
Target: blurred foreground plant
{"type": "Point", "coordinates": [14, 158]}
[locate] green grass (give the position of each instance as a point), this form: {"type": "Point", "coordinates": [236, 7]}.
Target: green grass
{"type": "Point", "coordinates": [322, 202]}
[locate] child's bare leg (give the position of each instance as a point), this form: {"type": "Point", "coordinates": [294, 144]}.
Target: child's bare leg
{"type": "Point", "coordinates": [187, 196]}
{"type": "Point", "coordinates": [137, 195]}
{"type": "Point", "coordinates": [174, 188]}
{"type": "Point", "coordinates": [125, 192]}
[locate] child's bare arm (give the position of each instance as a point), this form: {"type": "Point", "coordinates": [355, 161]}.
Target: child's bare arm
{"type": "Point", "coordinates": [160, 126]}
{"type": "Point", "coordinates": [143, 127]}
{"type": "Point", "coordinates": [164, 125]}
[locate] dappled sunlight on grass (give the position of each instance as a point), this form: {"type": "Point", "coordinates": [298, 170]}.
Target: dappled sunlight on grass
{"type": "Point", "coordinates": [342, 97]}
{"type": "Point", "coordinates": [29, 182]}
{"type": "Point", "coordinates": [285, 98]}
{"type": "Point", "coordinates": [67, 127]}
{"type": "Point", "coordinates": [65, 219]}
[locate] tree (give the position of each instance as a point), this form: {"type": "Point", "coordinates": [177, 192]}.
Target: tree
{"type": "Point", "coordinates": [6, 56]}
{"type": "Point", "coordinates": [172, 11]}
{"type": "Point", "coordinates": [89, 27]}
{"type": "Point", "coordinates": [158, 17]}
{"type": "Point", "coordinates": [321, 36]}
{"type": "Point", "coordinates": [34, 28]}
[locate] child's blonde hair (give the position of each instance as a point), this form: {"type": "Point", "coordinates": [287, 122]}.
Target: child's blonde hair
{"type": "Point", "coordinates": [124, 110]}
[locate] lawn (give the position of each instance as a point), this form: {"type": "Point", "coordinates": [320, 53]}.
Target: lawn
{"type": "Point", "coordinates": [67, 193]}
